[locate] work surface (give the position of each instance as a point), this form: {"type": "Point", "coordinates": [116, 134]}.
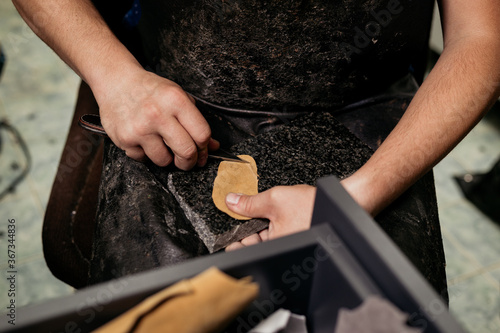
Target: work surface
{"type": "Point", "coordinates": [307, 149]}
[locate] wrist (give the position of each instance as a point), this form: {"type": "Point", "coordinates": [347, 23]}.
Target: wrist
{"type": "Point", "coordinates": [109, 78]}
{"type": "Point", "coordinates": [366, 192]}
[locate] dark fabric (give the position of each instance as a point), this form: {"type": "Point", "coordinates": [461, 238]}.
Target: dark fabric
{"type": "Point", "coordinates": [412, 222]}
{"type": "Point", "coordinates": [145, 213]}
{"type": "Point", "coordinates": [114, 12]}
{"type": "Point", "coordinates": [271, 56]}
{"type": "Point", "coordinates": [258, 54]}
{"type": "Point", "coordinates": [139, 223]}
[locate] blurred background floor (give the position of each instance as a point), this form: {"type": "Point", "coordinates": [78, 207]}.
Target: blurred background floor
{"type": "Point", "coordinates": [37, 96]}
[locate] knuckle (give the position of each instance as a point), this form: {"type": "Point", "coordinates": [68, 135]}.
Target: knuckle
{"type": "Point", "coordinates": [204, 135]}
{"type": "Point", "coordinates": [188, 152]}
{"type": "Point", "coordinates": [152, 113]}
{"type": "Point", "coordinates": [185, 158]}
{"type": "Point", "coordinates": [177, 96]}
{"type": "Point", "coordinates": [163, 161]}
{"type": "Point", "coordinates": [273, 194]}
{"type": "Point", "coordinates": [135, 154]}
{"type": "Point", "coordinates": [125, 140]}
{"type": "Point", "coordinates": [183, 165]}
{"type": "Point", "coordinates": [140, 128]}
{"type": "Point", "coordinates": [247, 203]}
{"type": "Point", "coordinates": [160, 155]}
{"type": "Point", "coordinates": [248, 241]}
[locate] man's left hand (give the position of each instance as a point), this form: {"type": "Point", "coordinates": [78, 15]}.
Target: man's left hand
{"type": "Point", "coordinates": [288, 209]}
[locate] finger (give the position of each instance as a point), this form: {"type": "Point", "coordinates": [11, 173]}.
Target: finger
{"type": "Point", "coordinates": [203, 153]}
{"type": "Point", "coordinates": [136, 153]}
{"type": "Point", "coordinates": [180, 142]}
{"type": "Point", "coordinates": [202, 157]}
{"type": "Point", "coordinates": [156, 149]}
{"type": "Point", "coordinates": [251, 240]}
{"type": "Point", "coordinates": [191, 98]}
{"type": "Point", "coordinates": [195, 124]}
{"type": "Point", "coordinates": [258, 205]}
{"type": "Point", "coordinates": [213, 145]}
{"type": "Point", "coordinates": [264, 235]}
{"type": "Point", "coordinates": [234, 246]}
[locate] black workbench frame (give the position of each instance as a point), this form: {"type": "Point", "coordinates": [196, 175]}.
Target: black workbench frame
{"type": "Point", "coordinates": [344, 258]}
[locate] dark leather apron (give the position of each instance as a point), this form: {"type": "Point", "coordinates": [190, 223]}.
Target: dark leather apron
{"type": "Point", "coordinates": [201, 46]}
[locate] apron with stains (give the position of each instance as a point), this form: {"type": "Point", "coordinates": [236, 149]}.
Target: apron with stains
{"type": "Point", "coordinates": [250, 64]}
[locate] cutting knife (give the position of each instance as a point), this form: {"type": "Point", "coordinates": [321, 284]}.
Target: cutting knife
{"type": "Point", "coordinates": [92, 123]}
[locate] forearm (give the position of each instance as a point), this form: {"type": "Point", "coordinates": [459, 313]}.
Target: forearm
{"type": "Point", "coordinates": [461, 87]}
{"type": "Point", "coordinates": [78, 34]}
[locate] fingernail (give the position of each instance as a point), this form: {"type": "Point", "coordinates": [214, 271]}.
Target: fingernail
{"type": "Point", "coordinates": [233, 198]}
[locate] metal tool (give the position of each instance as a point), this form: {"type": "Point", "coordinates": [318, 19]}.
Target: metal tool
{"type": "Point", "coordinates": [92, 123]}
{"type": "Point", "coordinates": [221, 154]}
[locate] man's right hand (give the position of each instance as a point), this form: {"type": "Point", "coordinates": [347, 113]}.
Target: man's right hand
{"type": "Point", "coordinates": [143, 114]}
{"type": "Point", "coordinates": [147, 115]}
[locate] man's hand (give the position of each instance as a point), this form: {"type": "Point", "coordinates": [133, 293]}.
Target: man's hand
{"type": "Point", "coordinates": [147, 115]}
{"type": "Point", "coordinates": [288, 208]}
{"type": "Point", "coordinates": [143, 114]}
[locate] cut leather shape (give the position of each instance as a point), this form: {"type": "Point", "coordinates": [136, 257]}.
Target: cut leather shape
{"type": "Point", "coordinates": [235, 177]}
{"type": "Point", "coordinates": [205, 303]}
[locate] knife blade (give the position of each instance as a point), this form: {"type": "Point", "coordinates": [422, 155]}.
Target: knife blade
{"type": "Point", "coordinates": [92, 123]}
{"type": "Point", "coordinates": [221, 154]}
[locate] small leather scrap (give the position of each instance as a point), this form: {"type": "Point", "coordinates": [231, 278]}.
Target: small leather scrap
{"type": "Point", "coordinates": [374, 315]}
{"type": "Point", "coordinates": [205, 303]}
{"type": "Point", "coordinates": [237, 178]}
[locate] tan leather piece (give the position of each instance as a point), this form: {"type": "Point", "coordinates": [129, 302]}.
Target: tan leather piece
{"type": "Point", "coordinates": [205, 303]}
{"type": "Point", "coordinates": [235, 177]}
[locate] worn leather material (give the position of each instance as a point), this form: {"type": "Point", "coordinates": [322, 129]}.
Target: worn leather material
{"type": "Point", "coordinates": [68, 226]}
{"type": "Point", "coordinates": [205, 303]}
{"type": "Point", "coordinates": [274, 54]}
{"type": "Point", "coordinates": [422, 243]}
{"type": "Point", "coordinates": [138, 222]}
{"type": "Point", "coordinates": [141, 225]}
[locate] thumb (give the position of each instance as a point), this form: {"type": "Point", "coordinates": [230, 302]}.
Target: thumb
{"type": "Point", "coordinates": [248, 205]}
